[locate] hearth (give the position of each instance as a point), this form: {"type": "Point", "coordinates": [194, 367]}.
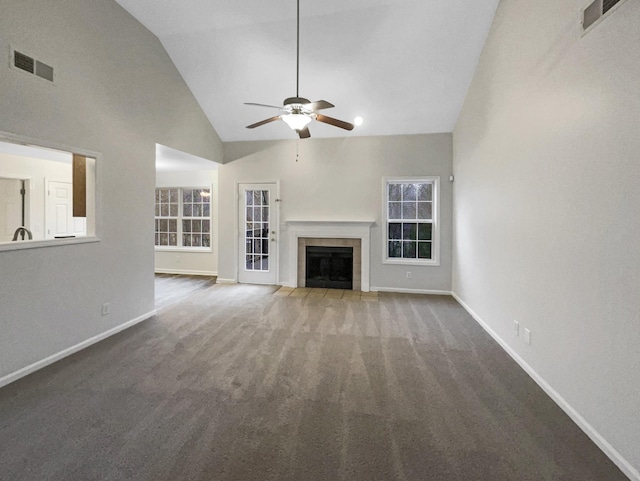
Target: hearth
{"type": "Point", "coordinates": [329, 267]}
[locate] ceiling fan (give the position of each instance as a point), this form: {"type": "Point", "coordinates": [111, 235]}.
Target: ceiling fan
{"type": "Point", "coordinates": [298, 112]}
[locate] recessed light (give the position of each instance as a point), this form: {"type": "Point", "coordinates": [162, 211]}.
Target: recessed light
{"type": "Point", "coordinates": [358, 121]}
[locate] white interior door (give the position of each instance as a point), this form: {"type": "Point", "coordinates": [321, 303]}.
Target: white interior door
{"type": "Point", "coordinates": [60, 220]}
{"type": "Point", "coordinates": [257, 252]}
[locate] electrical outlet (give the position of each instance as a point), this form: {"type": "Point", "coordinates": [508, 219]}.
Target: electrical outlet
{"type": "Point", "coordinates": [408, 274]}
{"type": "Point", "coordinates": [105, 309]}
{"type": "Point", "coordinates": [516, 327]}
{"type": "Point", "coordinates": [527, 336]}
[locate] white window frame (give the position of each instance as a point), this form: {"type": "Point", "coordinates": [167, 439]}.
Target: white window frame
{"type": "Point", "coordinates": [180, 218]}
{"type": "Point", "coordinates": [435, 237]}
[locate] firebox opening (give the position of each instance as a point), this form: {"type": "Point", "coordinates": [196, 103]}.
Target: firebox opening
{"type": "Point", "coordinates": [329, 267]}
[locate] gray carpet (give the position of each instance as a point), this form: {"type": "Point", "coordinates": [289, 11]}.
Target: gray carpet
{"type": "Point", "coordinates": [234, 383]}
{"type": "Point", "coordinates": [171, 288]}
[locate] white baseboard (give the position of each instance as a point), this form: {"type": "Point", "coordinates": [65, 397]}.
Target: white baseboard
{"type": "Point", "coordinates": [14, 376]}
{"type": "Point", "coordinates": [409, 291]}
{"type": "Point", "coordinates": [225, 281]}
{"type": "Point", "coordinates": [186, 272]}
{"type": "Point", "coordinates": [626, 467]}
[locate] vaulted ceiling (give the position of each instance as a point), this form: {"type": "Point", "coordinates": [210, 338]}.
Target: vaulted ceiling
{"type": "Point", "coordinates": [403, 65]}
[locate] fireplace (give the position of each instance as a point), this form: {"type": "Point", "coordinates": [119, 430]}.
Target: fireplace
{"type": "Point", "coordinates": [321, 233]}
{"type": "Point", "coordinates": [329, 267]}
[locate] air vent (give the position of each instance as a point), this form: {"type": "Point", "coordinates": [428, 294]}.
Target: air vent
{"type": "Point", "coordinates": [597, 10]}
{"type": "Point", "coordinates": [608, 4]}
{"type": "Point", "coordinates": [44, 71]}
{"type": "Point", "coordinates": [23, 62]}
{"type": "Point", "coordinates": [33, 66]}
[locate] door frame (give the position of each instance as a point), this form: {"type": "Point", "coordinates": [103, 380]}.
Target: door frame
{"type": "Point", "coordinates": [28, 181]}
{"type": "Point", "coordinates": [236, 226]}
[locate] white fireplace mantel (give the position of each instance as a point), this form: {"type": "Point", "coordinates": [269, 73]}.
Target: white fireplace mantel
{"type": "Point", "coordinates": [329, 229]}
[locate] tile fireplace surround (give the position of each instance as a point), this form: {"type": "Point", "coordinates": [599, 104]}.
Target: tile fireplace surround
{"type": "Point", "coordinates": [354, 234]}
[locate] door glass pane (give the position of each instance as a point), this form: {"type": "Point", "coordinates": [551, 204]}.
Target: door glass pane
{"type": "Point", "coordinates": [257, 232]}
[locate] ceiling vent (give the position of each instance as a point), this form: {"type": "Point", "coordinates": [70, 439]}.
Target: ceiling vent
{"type": "Point", "coordinates": [31, 65]}
{"type": "Point", "coordinates": [596, 11]}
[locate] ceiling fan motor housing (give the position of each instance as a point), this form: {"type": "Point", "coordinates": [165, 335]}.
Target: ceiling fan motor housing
{"type": "Point", "coordinates": [296, 100]}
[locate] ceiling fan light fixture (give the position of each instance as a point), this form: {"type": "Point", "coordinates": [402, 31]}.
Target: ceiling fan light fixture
{"type": "Point", "coordinates": [297, 121]}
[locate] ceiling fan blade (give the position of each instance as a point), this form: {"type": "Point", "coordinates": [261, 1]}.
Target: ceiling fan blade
{"type": "Point", "coordinates": [335, 122]}
{"type": "Point", "coordinates": [264, 105]}
{"type": "Point", "coordinates": [262, 122]}
{"type": "Point", "coordinates": [319, 105]}
{"type": "Point", "coordinates": [304, 133]}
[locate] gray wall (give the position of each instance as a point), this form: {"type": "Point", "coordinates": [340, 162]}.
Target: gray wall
{"type": "Point", "coordinates": [546, 158]}
{"type": "Point", "coordinates": [340, 179]}
{"type": "Point", "coordinates": [116, 92]}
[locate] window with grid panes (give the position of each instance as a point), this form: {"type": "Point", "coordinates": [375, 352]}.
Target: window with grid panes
{"type": "Point", "coordinates": [183, 217]}
{"type": "Point", "coordinates": [411, 229]}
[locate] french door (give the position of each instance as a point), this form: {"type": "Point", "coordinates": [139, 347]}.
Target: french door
{"type": "Point", "coordinates": [258, 222]}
